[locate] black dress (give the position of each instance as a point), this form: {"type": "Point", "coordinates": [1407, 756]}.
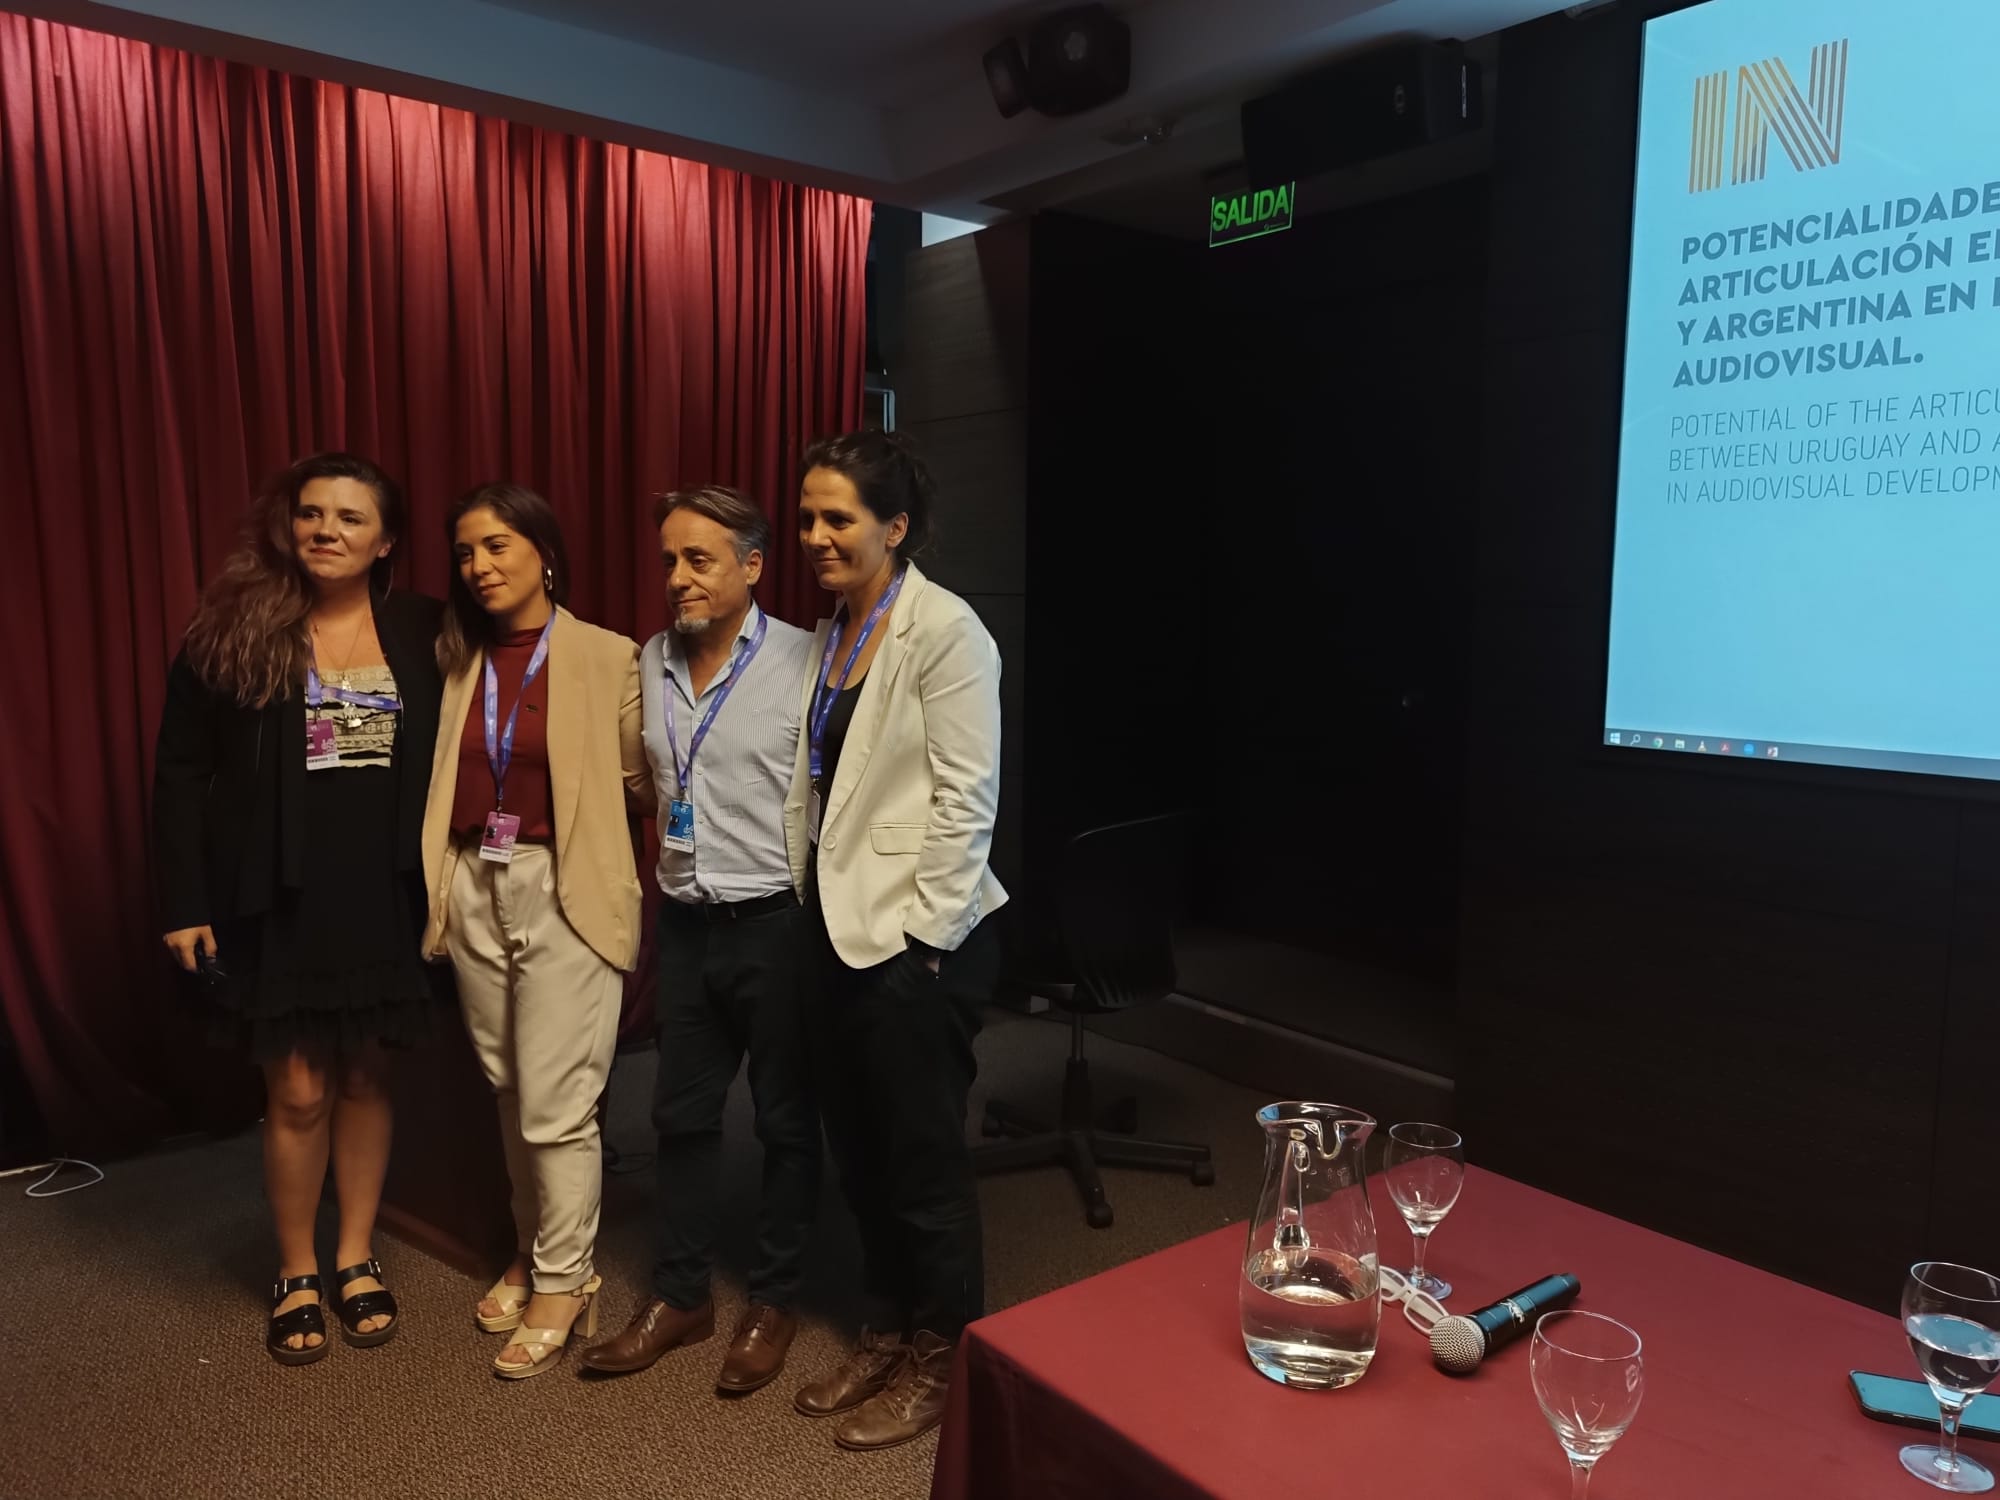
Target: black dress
{"type": "Point", "coordinates": [311, 879]}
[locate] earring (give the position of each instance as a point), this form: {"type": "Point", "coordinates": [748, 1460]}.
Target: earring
{"type": "Point", "coordinates": [548, 580]}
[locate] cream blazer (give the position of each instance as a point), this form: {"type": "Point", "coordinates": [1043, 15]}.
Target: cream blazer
{"type": "Point", "coordinates": [908, 821]}
{"type": "Point", "coordinates": [595, 757]}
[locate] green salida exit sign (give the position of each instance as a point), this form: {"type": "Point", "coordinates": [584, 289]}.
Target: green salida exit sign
{"type": "Point", "coordinates": [1247, 216]}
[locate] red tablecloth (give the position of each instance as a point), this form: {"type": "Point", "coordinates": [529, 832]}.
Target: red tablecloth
{"type": "Point", "coordinates": [1135, 1384]}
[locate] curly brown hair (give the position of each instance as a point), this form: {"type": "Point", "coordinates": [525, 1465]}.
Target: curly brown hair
{"type": "Point", "coordinates": [248, 636]}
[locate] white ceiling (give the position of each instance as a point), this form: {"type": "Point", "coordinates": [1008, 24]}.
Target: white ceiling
{"type": "Point", "coordinates": [880, 97]}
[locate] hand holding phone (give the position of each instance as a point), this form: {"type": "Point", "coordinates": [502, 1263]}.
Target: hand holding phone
{"type": "Point", "coordinates": [191, 945]}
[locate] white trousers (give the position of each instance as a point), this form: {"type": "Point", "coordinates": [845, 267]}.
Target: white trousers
{"type": "Point", "coordinates": [542, 1008]}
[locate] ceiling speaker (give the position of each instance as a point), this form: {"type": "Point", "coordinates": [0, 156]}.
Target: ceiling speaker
{"type": "Point", "coordinates": [1078, 59]}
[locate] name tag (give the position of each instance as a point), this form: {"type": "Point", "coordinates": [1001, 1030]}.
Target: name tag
{"type": "Point", "coordinates": [503, 830]}
{"type": "Point", "coordinates": [322, 746]}
{"type": "Point", "coordinates": [812, 817]}
{"type": "Point", "coordinates": [678, 832]}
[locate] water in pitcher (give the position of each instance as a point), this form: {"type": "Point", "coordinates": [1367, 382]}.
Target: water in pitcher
{"type": "Point", "coordinates": [1310, 1316]}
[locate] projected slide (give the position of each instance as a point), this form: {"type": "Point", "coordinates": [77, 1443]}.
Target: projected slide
{"type": "Point", "coordinates": [1808, 530]}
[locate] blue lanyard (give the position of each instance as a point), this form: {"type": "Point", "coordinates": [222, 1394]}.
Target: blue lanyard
{"type": "Point", "coordinates": [316, 694]}
{"type": "Point", "coordinates": [500, 746]}
{"type": "Point", "coordinates": [738, 665]}
{"type": "Point", "coordinates": [825, 696]}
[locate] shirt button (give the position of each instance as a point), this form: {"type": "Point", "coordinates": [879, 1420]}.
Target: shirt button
{"type": "Point", "coordinates": [830, 840]}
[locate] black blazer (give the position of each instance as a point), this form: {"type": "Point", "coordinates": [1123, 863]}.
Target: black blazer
{"type": "Point", "coordinates": [229, 782]}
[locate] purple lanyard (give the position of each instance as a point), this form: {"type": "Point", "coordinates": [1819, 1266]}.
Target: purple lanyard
{"type": "Point", "coordinates": [316, 694]}
{"type": "Point", "coordinates": [500, 745]}
{"type": "Point", "coordinates": [738, 665]}
{"type": "Point", "coordinates": [824, 696]}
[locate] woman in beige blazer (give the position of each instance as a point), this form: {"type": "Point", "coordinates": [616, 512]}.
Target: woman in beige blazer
{"type": "Point", "coordinates": [890, 821]}
{"type": "Point", "coordinates": [533, 892]}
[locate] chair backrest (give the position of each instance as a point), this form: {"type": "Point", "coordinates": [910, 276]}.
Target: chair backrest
{"type": "Point", "coordinates": [1122, 889]}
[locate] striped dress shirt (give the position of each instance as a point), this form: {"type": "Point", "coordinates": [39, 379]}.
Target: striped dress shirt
{"type": "Point", "coordinates": [745, 766]}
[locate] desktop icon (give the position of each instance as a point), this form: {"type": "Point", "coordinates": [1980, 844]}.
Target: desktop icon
{"type": "Point", "coordinates": [1725, 747]}
{"type": "Point", "coordinates": [1659, 743]}
{"type": "Point", "coordinates": [1615, 737]}
{"type": "Point", "coordinates": [1771, 751]}
{"type": "Point", "coordinates": [1749, 749]}
{"type": "Point", "coordinates": [1680, 744]}
{"type": "Point", "coordinates": [1702, 748]}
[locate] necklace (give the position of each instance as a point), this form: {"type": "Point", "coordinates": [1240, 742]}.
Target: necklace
{"type": "Point", "coordinates": [345, 668]}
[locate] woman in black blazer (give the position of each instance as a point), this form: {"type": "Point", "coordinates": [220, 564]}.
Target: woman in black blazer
{"type": "Point", "coordinates": [288, 798]}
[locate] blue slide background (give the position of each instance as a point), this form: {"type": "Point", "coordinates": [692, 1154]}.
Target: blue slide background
{"type": "Point", "coordinates": [1867, 621]}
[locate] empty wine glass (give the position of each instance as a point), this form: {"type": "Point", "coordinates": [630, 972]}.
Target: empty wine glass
{"type": "Point", "coordinates": [1424, 1166]}
{"type": "Point", "coordinates": [1952, 1315]}
{"type": "Point", "coordinates": [1588, 1377]}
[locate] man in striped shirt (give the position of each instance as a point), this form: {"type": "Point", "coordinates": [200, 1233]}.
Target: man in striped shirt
{"type": "Point", "coordinates": [722, 708]}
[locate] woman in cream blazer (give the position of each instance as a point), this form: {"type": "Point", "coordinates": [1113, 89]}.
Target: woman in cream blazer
{"type": "Point", "coordinates": [891, 820]}
{"type": "Point", "coordinates": [533, 892]}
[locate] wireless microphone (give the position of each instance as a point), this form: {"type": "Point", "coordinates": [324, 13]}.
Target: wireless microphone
{"type": "Point", "coordinates": [1459, 1343]}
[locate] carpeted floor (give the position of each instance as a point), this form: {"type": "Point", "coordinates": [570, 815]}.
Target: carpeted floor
{"type": "Point", "coordinates": [130, 1325]}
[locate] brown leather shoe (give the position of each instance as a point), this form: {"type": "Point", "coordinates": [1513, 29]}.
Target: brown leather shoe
{"type": "Point", "coordinates": [654, 1329]}
{"type": "Point", "coordinates": [763, 1334]}
{"type": "Point", "coordinates": [868, 1368]}
{"type": "Point", "coordinates": [911, 1406]}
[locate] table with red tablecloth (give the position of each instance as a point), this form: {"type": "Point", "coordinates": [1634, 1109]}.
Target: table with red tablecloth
{"type": "Point", "coordinates": [1135, 1384]}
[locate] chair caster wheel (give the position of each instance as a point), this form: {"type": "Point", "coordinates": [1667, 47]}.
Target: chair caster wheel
{"type": "Point", "coordinates": [1202, 1174]}
{"type": "Point", "coordinates": [1099, 1215]}
{"type": "Point", "coordinates": [990, 1127]}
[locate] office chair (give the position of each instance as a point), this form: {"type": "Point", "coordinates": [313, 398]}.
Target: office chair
{"type": "Point", "coordinates": [1116, 899]}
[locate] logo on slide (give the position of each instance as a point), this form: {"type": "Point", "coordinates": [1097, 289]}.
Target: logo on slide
{"type": "Point", "coordinates": [1768, 102]}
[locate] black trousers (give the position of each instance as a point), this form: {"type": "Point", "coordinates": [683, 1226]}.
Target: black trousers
{"type": "Point", "coordinates": [726, 988]}
{"type": "Point", "coordinates": [892, 1051]}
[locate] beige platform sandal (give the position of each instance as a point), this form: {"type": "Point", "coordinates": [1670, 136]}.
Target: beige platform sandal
{"type": "Point", "coordinates": [513, 1302]}
{"type": "Point", "coordinates": [545, 1345]}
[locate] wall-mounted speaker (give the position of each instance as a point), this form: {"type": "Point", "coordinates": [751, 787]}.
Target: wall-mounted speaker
{"type": "Point", "coordinates": [1007, 76]}
{"type": "Point", "coordinates": [1077, 59]}
{"type": "Point", "coordinates": [1362, 107]}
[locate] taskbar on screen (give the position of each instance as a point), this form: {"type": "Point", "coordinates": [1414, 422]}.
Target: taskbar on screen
{"type": "Point", "coordinates": [1856, 758]}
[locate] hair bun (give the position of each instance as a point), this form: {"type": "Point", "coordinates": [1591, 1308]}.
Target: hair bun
{"type": "Point", "coordinates": [920, 471]}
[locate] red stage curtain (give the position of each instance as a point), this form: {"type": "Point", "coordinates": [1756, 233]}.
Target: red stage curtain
{"type": "Point", "coordinates": [209, 269]}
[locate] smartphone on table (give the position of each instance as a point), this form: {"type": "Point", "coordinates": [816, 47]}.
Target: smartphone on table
{"type": "Point", "coordinates": [1890, 1398]}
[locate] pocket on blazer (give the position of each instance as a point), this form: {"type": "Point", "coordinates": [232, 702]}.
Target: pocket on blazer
{"type": "Point", "coordinates": [897, 838]}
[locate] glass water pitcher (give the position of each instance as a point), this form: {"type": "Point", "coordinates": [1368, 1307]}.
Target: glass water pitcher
{"type": "Point", "coordinates": [1310, 1294]}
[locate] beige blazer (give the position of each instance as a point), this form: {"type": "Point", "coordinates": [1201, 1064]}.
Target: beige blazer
{"type": "Point", "coordinates": [595, 758]}
{"type": "Point", "coordinates": [908, 821]}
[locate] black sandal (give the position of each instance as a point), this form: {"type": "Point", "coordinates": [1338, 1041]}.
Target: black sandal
{"type": "Point", "coordinates": [300, 1323]}
{"type": "Point", "coordinates": [353, 1310]}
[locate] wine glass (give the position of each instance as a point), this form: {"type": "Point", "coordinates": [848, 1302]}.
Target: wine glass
{"type": "Point", "coordinates": [1425, 1167]}
{"type": "Point", "coordinates": [1588, 1378]}
{"type": "Point", "coordinates": [1952, 1315]}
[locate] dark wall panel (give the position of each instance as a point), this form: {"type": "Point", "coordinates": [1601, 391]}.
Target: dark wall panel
{"type": "Point", "coordinates": [962, 395]}
{"type": "Point", "coordinates": [965, 326]}
{"type": "Point", "coordinates": [1118, 468]}
{"type": "Point", "coordinates": [980, 463]}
